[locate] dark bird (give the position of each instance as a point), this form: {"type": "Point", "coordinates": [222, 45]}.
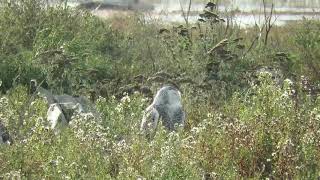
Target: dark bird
{"type": "Point", "coordinates": [201, 20]}
{"type": "Point", "coordinates": [4, 134]}
{"type": "Point", "coordinates": [211, 5]}
{"type": "Point", "coordinates": [209, 15]}
{"type": "Point", "coordinates": [184, 32]}
{"type": "Point", "coordinates": [163, 30]}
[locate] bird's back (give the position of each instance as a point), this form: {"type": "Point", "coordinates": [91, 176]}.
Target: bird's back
{"type": "Point", "coordinates": [167, 95]}
{"type": "Point", "coordinates": [168, 103]}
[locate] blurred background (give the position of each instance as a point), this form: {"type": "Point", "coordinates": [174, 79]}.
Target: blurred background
{"type": "Point", "coordinates": [247, 12]}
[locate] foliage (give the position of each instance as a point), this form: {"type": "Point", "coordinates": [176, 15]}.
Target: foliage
{"type": "Point", "coordinates": [258, 134]}
{"type": "Point", "coordinates": [236, 127]}
{"type": "Point", "coordinates": [308, 39]}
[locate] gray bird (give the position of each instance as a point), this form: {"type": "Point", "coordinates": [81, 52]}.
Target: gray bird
{"type": "Point", "coordinates": [166, 106]}
{"type": "Point", "coordinates": [4, 134]}
{"type": "Point", "coordinates": [62, 107]}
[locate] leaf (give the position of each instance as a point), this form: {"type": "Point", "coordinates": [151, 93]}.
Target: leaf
{"type": "Point", "coordinates": [209, 15]}
{"type": "Point", "coordinates": [163, 30]}
{"type": "Point", "coordinates": [219, 45]}
{"type": "Point", "coordinates": [201, 20]}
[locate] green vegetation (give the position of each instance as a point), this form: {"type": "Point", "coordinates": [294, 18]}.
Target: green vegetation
{"type": "Point", "coordinates": [235, 128]}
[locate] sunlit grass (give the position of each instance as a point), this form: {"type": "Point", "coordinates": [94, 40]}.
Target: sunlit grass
{"type": "Point", "coordinates": [235, 128]}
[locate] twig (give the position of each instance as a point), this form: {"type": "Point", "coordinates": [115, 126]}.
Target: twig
{"type": "Point", "coordinates": [188, 13]}
{"type": "Point", "coordinates": [186, 16]}
{"type": "Point", "coordinates": [253, 42]}
{"type": "Point", "coordinates": [268, 18]}
{"type": "Point", "coordinates": [151, 57]}
{"type": "Point", "coordinates": [183, 14]}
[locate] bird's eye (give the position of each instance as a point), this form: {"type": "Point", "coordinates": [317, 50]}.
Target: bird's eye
{"type": "Point", "coordinates": [153, 119]}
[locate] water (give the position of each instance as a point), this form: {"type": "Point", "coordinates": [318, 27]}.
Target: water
{"type": "Point", "coordinates": [243, 20]}
{"type": "Point", "coordinates": [246, 5]}
{"type": "Point", "coordinates": [279, 3]}
{"type": "Point", "coordinates": [250, 12]}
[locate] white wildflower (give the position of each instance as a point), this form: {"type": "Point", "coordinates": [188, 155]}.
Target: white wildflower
{"type": "Point", "coordinates": [209, 115]}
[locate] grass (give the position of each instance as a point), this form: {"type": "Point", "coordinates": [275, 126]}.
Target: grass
{"type": "Point", "coordinates": [235, 128]}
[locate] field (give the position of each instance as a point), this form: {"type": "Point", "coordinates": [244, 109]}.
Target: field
{"type": "Point", "coordinates": [241, 124]}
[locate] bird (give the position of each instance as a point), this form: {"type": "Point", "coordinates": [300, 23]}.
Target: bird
{"type": "Point", "coordinates": [4, 134]}
{"type": "Point", "coordinates": [163, 30]}
{"type": "Point", "coordinates": [211, 5]}
{"type": "Point", "coordinates": [166, 106]}
{"type": "Point", "coordinates": [63, 106]}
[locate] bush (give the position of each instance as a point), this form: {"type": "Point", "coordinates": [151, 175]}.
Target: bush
{"type": "Point", "coordinates": [261, 133]}
{"type": "Point", "coordinates": [234, 129]}
{"type": "Point", "coordinates": [307, 38]}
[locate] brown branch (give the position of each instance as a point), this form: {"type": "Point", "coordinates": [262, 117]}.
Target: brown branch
{"type": "Point", "coordinates": [188, 13]}
{"type": "Point", "coordinates": [183, 13]}
{"type": "Point", "coordinates": [268, 18]}
{"type": "Point", "coordinates": [151, 56]}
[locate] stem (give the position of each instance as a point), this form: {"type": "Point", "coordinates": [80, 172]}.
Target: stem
{"type": "Point", "coordinates": [186, 16]}
{"type": "Point", "coordinates": [188, 13]}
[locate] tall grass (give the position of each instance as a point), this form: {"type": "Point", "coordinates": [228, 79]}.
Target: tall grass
{"type": "Point", "coordinates": [235, 128]}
